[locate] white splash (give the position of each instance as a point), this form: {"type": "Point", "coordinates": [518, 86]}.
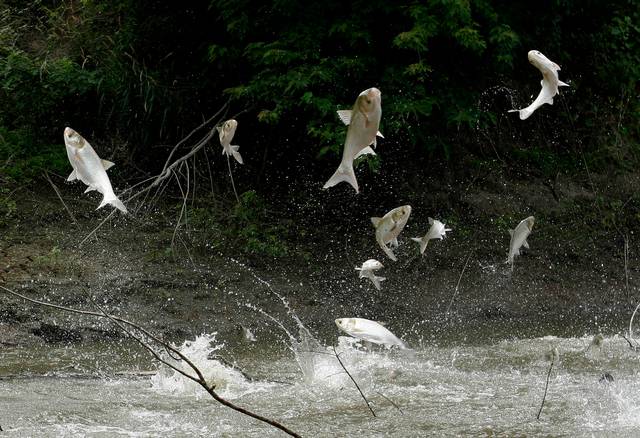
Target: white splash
{"type": "Point", "coordinates": [229, 381]}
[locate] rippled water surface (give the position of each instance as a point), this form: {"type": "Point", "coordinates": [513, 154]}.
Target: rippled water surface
{"type": "Point", "coordinates": [481, 390]}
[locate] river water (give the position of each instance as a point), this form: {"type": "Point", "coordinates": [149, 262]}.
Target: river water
{"type": "Point", "coordinates": [492, 389]}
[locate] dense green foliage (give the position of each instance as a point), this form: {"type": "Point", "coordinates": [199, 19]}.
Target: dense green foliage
{"type": "Point", "coordinates": [136, 74]}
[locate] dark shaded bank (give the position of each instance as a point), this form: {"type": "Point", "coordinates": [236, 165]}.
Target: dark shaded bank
{"type": "Point", "coordinates": [572, 281]}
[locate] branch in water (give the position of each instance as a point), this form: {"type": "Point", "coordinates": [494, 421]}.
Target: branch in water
{"type": "Point", "coordinates": [122, 324]}
{"type": "Point", "coordinates": [354, 381]}
{"type": "Point", "coordinates": [546, 387]}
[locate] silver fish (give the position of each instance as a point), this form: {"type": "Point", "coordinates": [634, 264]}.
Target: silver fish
{"type": "Point", "coordinates": [437, 230]}
{"type": "Point", "coordinates": [389, 227]}
{"type": "Point", "coordinates": [550, 83]}
{"type": "Point", "coordinates": [226, 133]}
{"type": "Point", "coordinates": [89, 168]}
{"type": "Point", "coordinates": [519, 238]}
{"type": "Point", "coordinates": [367, 271]}
{"type": "Point", "coordinates": [370, 331]}
{"type": "Point", "coordinates": [364, 122]}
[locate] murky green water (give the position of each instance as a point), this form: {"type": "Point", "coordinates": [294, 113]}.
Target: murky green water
{"type": "Point", "coordinates": [480, 390]}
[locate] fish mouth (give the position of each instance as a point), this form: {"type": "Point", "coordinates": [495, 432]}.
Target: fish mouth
{"type": "Point", "coordinates": [73, 138]}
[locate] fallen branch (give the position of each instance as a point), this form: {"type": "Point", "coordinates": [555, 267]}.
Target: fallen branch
{"type": "Point", "coordinates": [631, 322]}
{"type": "Point", "coordinates": [354, 381]}
{"type": "Point", "coordinates": [145, 338]}
{"type": "Point", "coordinates": [554, 357]}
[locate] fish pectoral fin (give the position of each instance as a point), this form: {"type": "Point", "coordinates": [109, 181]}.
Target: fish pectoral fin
{"type": "Point", "coordinates": [72, 176]}
{"type": "Point", "coordinates": [563, 84]}
{"type": "Point", "coordinates": [345, 116]}
{"type": "Point", "coordinates": [379, 134]}
{"type": "Point", "coordinates": [107, 164]}
{"type": "Point", "coordinates": [388, 251]}
{"type": "Point", "coordinates": [89, 189]}
{"type": "Point", "coordinates": [376, 221]}
{"type": "Point", "coordinates": [365, 151]}
{"type": "Point", "coordinates": [430, 221]}
{"type": "Point", "coordinates": [395, 243]}
{"type": "Point", "coordinates": [525, 244]}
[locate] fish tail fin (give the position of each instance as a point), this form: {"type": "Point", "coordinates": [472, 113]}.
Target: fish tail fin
{"type": "Point", "coordinates": [423, 243]}
{"type": "Point", "coordinates": [236, 154]}
{"type": "Point", "coordinates": [389, 253]}
{"type": "Point", "coordinates": [377, 280]}
{"type": "Point", "coordinates": [344, 173]}
{"type": "Point", "coordinates": [113, 201]}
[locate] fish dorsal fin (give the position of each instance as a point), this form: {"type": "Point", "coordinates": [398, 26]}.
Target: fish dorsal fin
{"type": "Point", "coordinates": [379, 134]}
{"type": "Point", "coordinates": [430, 221]}
{"type": "Point", "coordinates": [107, 164]}
{"type": "Point", "coordinates": [382, 323]}
{"type": "Point", "coordinates": [511, 233]}
{"type": "Point", "coordinates": [376, 221]}
{"type": "Point", "coordinates": [345, 116]}
{"type": "Point", "coordinates": [525, 244]}
{"type": "Point", "coordinates": [72, 176]}
{"type": "Point", "coordinates": [90, 189]}
{"type": "Point", "coordinates": [556, 66]}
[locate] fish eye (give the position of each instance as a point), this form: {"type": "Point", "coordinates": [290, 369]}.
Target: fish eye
{"type": "Point", "coordinates": [368, 100]}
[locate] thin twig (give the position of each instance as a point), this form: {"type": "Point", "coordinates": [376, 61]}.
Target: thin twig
{"type": "Point", "coordinates": [626, 266]}
{"type": "Point", "coordinates": [233, 184]}
{"type": "Point", "coordinates": [631, 322]}
{"type": "Point", "coordinates": [55, 189]}
{"type": "Point", "coordinates": [390, 401]}
{"type": "Point", "coordinates": [546, 386]}
{"type": "Point", "coordinates": [455, 292]}
{"type": "Point", "coordinates": [354, 381]}
{"type": "Point", "coordinates": [633, 347]}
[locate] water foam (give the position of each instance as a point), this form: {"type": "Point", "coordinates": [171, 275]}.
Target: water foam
{"type": "Point", "coordinates": [228, 381]}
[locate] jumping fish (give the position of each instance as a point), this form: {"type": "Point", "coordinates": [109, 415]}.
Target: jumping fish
{"type": "Point", "coordinates": [389, 227]}
{"type": "Point", "coordinates": [226, 133]}
{"type": "Point", "coordinates": [550, 83]}
{"type": "Point", "coordinates": [367, 271]}
{"type": "Point", "coordinates": [436, 231]}
{"type": "Point", "coordinates": [89, 168]}
{"type": "Point", "coordinates": [519, 238]}
{"type": "Point", "coordinates": [370, 331]}
{"type": "Point", "coordinates": [345, 116]}
{"type": "Point", "coordinates": [364, 122]}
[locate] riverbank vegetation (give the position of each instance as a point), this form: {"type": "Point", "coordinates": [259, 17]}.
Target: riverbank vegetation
{"type": "Point", "coordinates": [135, 77]}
